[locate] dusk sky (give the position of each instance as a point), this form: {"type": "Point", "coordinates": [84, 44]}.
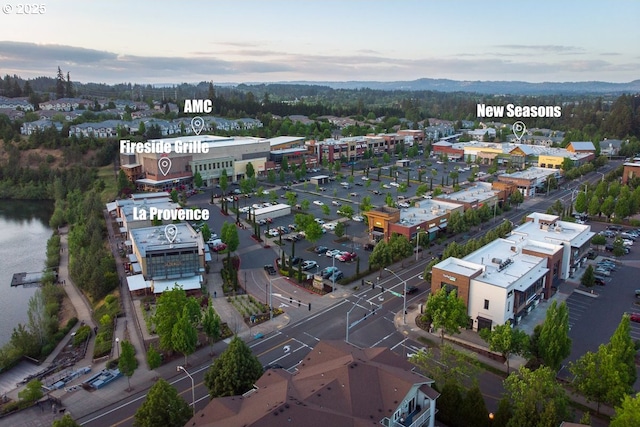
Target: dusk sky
{"type": "Point", "coordinates": [141, 41]}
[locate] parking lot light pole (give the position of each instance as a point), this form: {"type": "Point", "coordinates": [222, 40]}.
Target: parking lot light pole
{"type": "Point", "coordinates": [404, 303]}
{"type": "Point", "coordinates": [333, 275]}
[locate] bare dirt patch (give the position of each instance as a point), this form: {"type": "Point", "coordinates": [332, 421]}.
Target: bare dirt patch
{"type": "Point", "coordinates": [67, 311]}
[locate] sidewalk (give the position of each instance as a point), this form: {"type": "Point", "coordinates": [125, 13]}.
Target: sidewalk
{"type": "Point", "coordinates": [468, 338]}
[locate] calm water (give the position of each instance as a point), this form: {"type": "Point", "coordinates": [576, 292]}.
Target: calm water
{"type": "Point", "coordinates": [24, 231]}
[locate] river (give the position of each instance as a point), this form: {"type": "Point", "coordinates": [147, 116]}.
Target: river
{"type": "Point", "coordinates": [24, 231]}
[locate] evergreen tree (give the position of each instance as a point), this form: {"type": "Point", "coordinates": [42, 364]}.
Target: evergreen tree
{"type": "Point", "coordinates": [60, 84]}
{"type": "Point", "coordinates": [162, 407]}
{"type": "Point", "coordinates": [234, 372]}
{"type": "Point", "coordinates": [69, 87]}
{"type": "Point", "coordinates": [211, 325]}
{"type": "Point", "coordinates": [474, 410]}
{"type": "Point", "coordinates": [449, 404]}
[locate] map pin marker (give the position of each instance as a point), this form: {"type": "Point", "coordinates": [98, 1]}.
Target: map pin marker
{"type": "Point", "coordinates": [171, 232]}
{"type": "Point", "coordinates": [519, 129]}
{"type": "Point", "coordinates": [164, 164]}
{"type": "Point", "coordinates": [197, 124]}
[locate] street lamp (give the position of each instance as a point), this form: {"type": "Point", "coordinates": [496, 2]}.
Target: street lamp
{"type": "Point", "coordinates": [117, 348]}
{"type": "Point", "coordinates": [193, 393]}
{"type": "Point", "coordinates": [404, 304]}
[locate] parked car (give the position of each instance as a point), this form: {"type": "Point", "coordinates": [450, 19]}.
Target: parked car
{"type": "Point", "coordinates": [270, 269]}
{"type": "Point", "coordinates": [615, 228]}
{"type": "Point", "coordinates": [295, 261]}
{"type": "Point", "coordinates": [309, 265]}
{"type": "Point", "coordinates": [329, 226]}
{"type": "Point", "coordinates": [333, 252]}
{"type": "Point", "coordinates": [219, 247]}
{"type": "Point", "coordinates": [318, 202]}
{"type": "Point", "coordinates": [337, 275]}
{"type": "Point", "coordinates": [336, 203]}
{"type": "Point", "coordinates": [346, 256]}
{"type": "Point", "coordinates": [357, 218]}
{"type": "Point", "coordinates": [369, 247]}
{"type": "Point", "coordinates": [321, 249]}
{"type": "Point", "coordinates": [602, 271]}
{"type": "Point", "coordinates": [327, 272]}
{"type": "Point", "coordinates": [319, 221]}
{"type": "Point", "coordinates": [608, 233]}
{"type": "Point", "coordinates": [635, 317]}
{"type": "Point", "coordinates": [600, 282]}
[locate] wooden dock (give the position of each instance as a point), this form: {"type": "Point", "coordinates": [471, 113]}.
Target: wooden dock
{"type": "Point", "coordinates": [27, 279]}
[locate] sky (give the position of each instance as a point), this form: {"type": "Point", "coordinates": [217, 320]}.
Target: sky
{"type": "Point", "coordinates": [240, 41]}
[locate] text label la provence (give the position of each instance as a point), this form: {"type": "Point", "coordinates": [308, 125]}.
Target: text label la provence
{"type": "Point", "coordinates": [141, 214]}
{"type": "Point", "coordinates": [160, 147]}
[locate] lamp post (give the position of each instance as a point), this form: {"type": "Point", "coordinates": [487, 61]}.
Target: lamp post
{"type": "Point", "coordinates": [193, 393]}
{"type": "Point", "coordinates": [404, 295]}
{"type": "Point", "coordinates": [333, 275]}
{"type": "Point", "coordinates": [117, 348]}
{"type": "Point", "coordinates": [601, 173]}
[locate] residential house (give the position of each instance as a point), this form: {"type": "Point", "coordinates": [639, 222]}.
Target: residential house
{"type": "Point", "coordinates": [105, 129]}
{"type": "Point", "coordinates": [336, 385]}
{"type": "Point", "coordinates": [15, 104]}
{"type": "Point", "coordinates": [66, 104]}
{"type": "Point", "coordinates": [30, 127]}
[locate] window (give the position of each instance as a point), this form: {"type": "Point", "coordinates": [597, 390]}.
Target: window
{"type": "Point", "coordinates": [486, 304]}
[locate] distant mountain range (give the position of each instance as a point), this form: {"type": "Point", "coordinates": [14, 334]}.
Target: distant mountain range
{"type": "Point", "coordinates": [487, 87]}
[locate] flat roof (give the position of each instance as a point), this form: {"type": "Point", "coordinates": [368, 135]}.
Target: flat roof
{"type": "Point", "coordinates": [186, 283]}
{"type": "Point", "coordinates": [153, 238]}
{"type": "Point", "coordinates": [480, 191]}
{"type": "Point", "coordinates": [426, 210]}
{"type": "Point", "coordinates": [504, 264]}
{"type": "Point", "coordinates": [272, 208]}
{"type": "Point", "coordinates": [213, 141]}
{"type": "Point", "coordinates": [555, 232]}
{"type": "Point", "coordinates": [137, 282]}
{"type": "Point", "coordinates": [289, 150]}
{"type": "Point", "coordinates": [280, 140]}
{"type": "Point", "coordinates": [532, 173]}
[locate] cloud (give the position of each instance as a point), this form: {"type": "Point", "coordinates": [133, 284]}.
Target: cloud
{"type": "Point", "coordinates": [252, 64]}
{"type": "Point", "coordinates": [549, 48]}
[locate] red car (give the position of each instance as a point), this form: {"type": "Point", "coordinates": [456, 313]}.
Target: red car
{"type": "Point", "coordinates": [218, 248]}
{"type": "Point", "coordinates": [635, 317]}
{"type": "Point", "coordinates": [347, 256]}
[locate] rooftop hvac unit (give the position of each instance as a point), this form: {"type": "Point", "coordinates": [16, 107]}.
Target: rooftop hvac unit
{"type": "Point", "coordinates": [496, 261]}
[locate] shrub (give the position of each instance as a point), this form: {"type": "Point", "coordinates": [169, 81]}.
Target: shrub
{"type": "Point", "coordinates": [82, 334]}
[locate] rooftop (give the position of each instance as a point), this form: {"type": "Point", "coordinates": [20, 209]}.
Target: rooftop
{"type": "Point", "coordinates": [479, 192]}
{"type": "Point", "coordinates": [154, 239]}
{"type": "Point", "coordinates": [532, 173]}
{"type": "Point", "coordinates": [335, 385]}
{"type": "Point", "coordinates": [425, 210]}
{"type": "Point", "coordinates": [213, 141]}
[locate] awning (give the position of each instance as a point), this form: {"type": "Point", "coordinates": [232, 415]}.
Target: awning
{"type": "Point", "coordinates": [433, 229]}
{"type": "Point", "coordinates": [111, 206]}
{"type": "Point", "coordinates": [128, 243]}
{"type": "Point", "coordinates": [132, 258]}
{"type": "Point", "coordinates": [136, 268]}
{"type": "Point", "coordinates": [123, 229]}
{"type": "Point", "coordinates": [207, 257]}
{"type": "Point", "coordinates": [137, 282]}
{"type": "Point", "coordinates": [186, 283]}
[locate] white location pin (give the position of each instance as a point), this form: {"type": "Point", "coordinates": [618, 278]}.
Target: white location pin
{"type": "Point", "coordinates": [171, 232]}
{"type": "Point", "coordinates": [519, 129]}
{"type": "Point", "coordinates": [197, 124]}
{"type": "Point", "coordinates": [164, 164]}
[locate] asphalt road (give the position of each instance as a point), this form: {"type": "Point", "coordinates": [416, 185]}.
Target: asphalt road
{"type": "Point", "coordinates": [369, 313]}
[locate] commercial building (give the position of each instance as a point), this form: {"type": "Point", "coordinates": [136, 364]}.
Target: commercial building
{"type": "Point", "coordinates": [274, 211]}
{"type": "Point", "coordinates": [630, 171]}
{"type": "Point", "coordinates": [231, 154]}
{"type": "Point", "coordinates": [507, 278]}
{"type": "Point", "coordinates": [335, 385]}
{"type": "Point", "coordinates": [163, 263]}
{"type": "Point", "coordinates": [528, 180]}
{"type": "Point", "coordinates": [425, 216]}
